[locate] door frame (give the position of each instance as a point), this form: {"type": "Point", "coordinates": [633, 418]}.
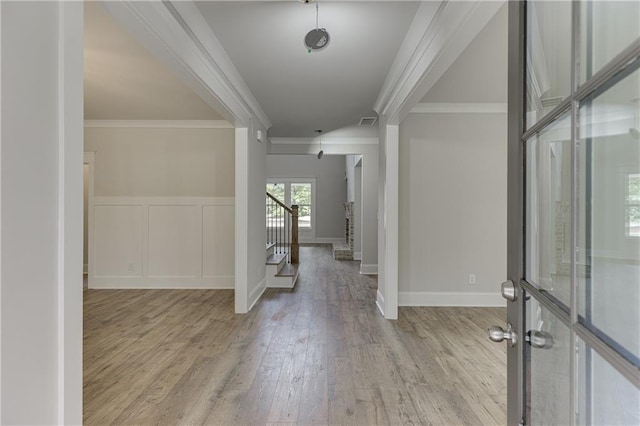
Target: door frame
{"type": "Point", "coordinates": [515, 207]}
{"type": "Point", "coordinates": [89, 160]}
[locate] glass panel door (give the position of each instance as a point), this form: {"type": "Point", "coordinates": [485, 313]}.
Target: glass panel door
{"type": "Point", "coordinates": [573, 316]}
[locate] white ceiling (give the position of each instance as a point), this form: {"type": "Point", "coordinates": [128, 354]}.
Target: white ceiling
{"type": "Point", "coordinates": [301, 91]}
{"type": "Point", "coordinates": [123, 81]}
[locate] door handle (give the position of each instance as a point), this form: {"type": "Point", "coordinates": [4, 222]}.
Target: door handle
{"type": "Point", "coordinates": [498, 334]}
{"type": "Point", "coordinates": [509, 290]}
{"type": "Point", "coordinates": [539, 339]}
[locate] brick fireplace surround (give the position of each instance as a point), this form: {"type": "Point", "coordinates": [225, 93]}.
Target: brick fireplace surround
{"type": "Point", "coordinates": [344, 250]}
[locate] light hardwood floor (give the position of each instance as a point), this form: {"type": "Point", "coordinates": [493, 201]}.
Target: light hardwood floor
{"type": "Point", "coordinates": [318, 354]}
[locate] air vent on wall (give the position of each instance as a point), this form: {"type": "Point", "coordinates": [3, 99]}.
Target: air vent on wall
{"type": "Point", "coordinates": [368, 121]}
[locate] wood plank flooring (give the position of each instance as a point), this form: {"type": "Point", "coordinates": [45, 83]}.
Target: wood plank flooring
{"type": "Point", "coordinates": [318, 354]}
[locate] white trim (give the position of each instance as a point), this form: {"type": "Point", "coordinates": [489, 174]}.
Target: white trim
{"type": "Point", "coordinates": [257, 293]}
{"type": "Point", "coordinates": [460, 108]}
{"type": "Point", "coordinates": [1, 217]}
{"type": "Point", "coordinates": [241, 217]}
{"type": "Point", "coordinates": [164, 201]}
{"type": "Point", "coordinates": [391, 219]}
{"type": "Point", "coordinates": [156, 283]}
{"type": "Point", "coordinates": [70, 179]}
{"type": "Point", "coordinates": [90, 160]}
{"type": "Point", "coordinates": [177, 33]}
{"type": "Point", "coordinates": [357, 255]}
{"type": "Point", "coordinates": [380, 302]}
{"type": "Point", "coordinates": [437, 36]}
{"type": "Point", "coordinates": [160, 124]}
{"type": "Point", "coordinates": [426, 298]}
{"type": "Point", "coordinates": [336, 140]}
{"type": "Point", "coordinates": [369, 269]}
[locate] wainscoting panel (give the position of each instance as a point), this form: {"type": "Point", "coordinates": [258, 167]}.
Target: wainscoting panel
{"type": "Point", "coordinates": [162, 242]}
{"type": "Point", "coordinates": [174, 240]}
{"type": "Point", "coordinates": [118, 228]}
{"type": "Point", "coordinates": [218, 246]}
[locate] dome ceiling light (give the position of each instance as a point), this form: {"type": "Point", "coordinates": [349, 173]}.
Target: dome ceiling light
{"type": "Point", "coordinates": [318, 38]}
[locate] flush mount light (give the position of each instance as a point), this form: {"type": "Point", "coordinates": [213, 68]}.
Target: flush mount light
{"type": "Point", "coordinates": [318, 38]}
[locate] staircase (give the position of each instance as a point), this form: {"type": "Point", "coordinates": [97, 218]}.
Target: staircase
{"type": "Point", "coordinates": [282, 251]}
{"type": "Point", "coordinates": [280, 273]}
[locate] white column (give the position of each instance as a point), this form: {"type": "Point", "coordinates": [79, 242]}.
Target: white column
{"type": "Point", "coordinates": [41, 212]}
{"type": "Point", "coordinates": [242, 220]}
{"type": "Point", "coordinates": [391, 213]}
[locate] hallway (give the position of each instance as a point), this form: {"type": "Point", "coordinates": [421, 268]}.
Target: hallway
{"type": "Point", "coordinates": [319, 354]}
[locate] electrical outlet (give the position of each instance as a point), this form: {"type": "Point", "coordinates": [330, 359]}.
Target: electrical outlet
{"type": "Point", "coordinates": [472, 278]}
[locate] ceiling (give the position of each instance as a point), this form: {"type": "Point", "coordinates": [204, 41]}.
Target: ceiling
{"type": "Point", "coordinates": [479, 74]}
{"type": "Point", "coordinates": [301, 91]}
{"type": "Point", "coordinates": [123, 81]}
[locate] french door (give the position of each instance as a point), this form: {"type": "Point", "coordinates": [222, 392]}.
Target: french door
{"type": "Point", "coordinates": [573, 315]}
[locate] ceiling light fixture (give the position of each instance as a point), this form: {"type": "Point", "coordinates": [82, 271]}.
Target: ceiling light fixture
{"type": "Point", "coordinates": [318, 38]}
{"type": "Point", "coordinates": [321, 153]}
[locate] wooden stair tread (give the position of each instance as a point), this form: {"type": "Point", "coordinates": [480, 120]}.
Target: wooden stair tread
{"type": "Point", "coordinates": [288, 270]}
{"type": "Point", "coordinates": [275, 258]}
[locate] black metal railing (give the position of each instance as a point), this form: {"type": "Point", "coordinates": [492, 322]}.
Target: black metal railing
{"type": "Point", "coordinates": [282, 228]}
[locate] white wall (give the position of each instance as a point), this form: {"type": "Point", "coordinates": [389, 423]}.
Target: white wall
{"type": "Point", "coordinates": [163, 212]}
{"type": "Point", "coordinates": [331, 187]}
{"type": "Point", "coordinates": [41, 213]}
{"type": "Point", "coordinates": [452, 208]}
{"type": "Point", "coordinates": [162, 162]}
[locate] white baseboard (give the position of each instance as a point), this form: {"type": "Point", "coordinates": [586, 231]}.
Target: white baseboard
{"type": "Point", "coordinates": [369, 269]}
{"type": "Point", "coordinates": [380, 302]}
{"type": "Point", "coordinates": [357, 255]}
{"type": "Point", "coordinates": [425, 298]}
{"type": "Point", "coordinates": [257, 293]}
{"type": "Point", "coordinates": [121, 283]}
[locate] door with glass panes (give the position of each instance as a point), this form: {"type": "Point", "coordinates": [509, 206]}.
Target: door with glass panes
{"type": "Point", "coordinates": [573, 310]}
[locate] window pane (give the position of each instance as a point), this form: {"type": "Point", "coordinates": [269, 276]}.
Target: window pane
{"type": "Point", "coordinates": [605, 396]}
{"type": "Point", "coordinates": [548, 56]}
{"type": "Point", "coordinates": [609, 255]}
{"type": "Point", "coordinates": [548, 212]}
{"type": "Point", "coordinates": [277, 190]}
{"type": "Point", "coordinates": [301, 193]}
{"type": "Point", "coordinates": [607, 28]}
{"type": "Point", "coordinates": [549, 369]}
{"type": "Point", "coordinates": [632, 213]}
{"type": "Point", "coordinates": [304, 216]}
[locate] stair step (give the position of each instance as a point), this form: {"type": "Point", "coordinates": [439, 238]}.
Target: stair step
{"type": "Point", "coordinates": [270, 246]}
{"type": "Point", "coordinates": [275, 258]}
{"type": "Point", "coordinates": [288, 270]}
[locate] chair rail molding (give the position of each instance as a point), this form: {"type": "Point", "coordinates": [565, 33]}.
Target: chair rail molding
{"type": "Point", "coordinates": [178, 34]}
{"type": "Point", "coordinates": [437, 36]}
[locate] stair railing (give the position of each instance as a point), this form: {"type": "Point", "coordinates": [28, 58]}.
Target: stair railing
{"type": "Point", "coordinates": [282, 228]}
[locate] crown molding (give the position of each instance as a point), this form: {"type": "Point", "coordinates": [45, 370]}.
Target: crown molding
{"type": "Point", "coordinates": [177, 33]}
{"type": "Point", "coordinates": [437, 36]}
{"type": "Point", "coordinates": [325, 141]}
{"type": "Point", "coordinates": [460, 108]}
{"type": "Point", "coordinates": [160, 124]}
